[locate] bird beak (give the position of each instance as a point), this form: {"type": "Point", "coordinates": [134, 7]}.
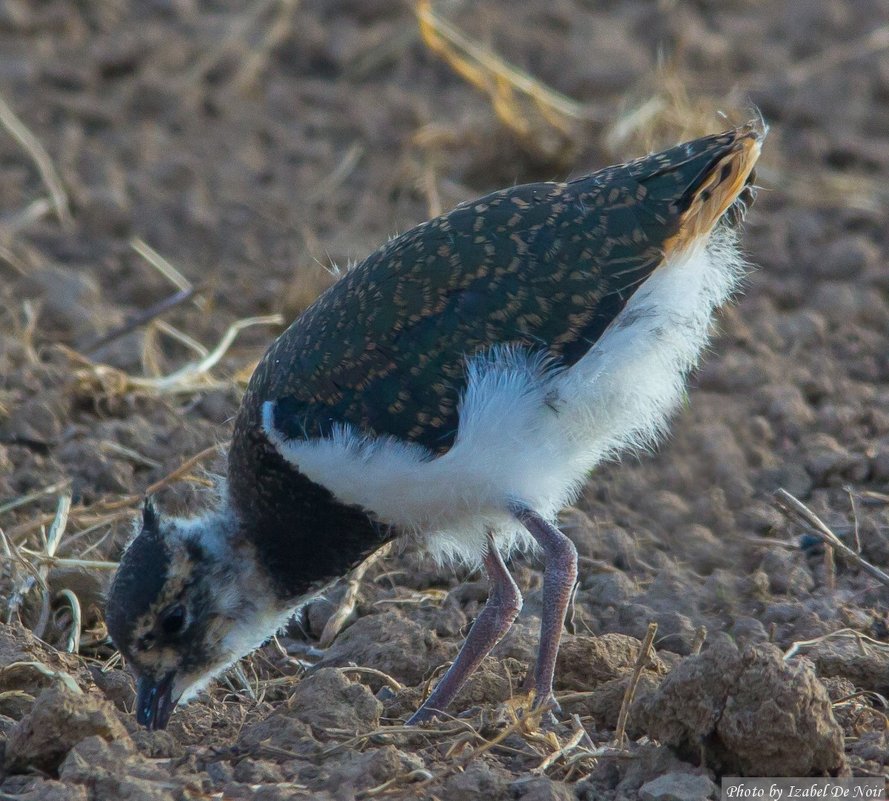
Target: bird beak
{"type": "Point", "coordinates": [154, 701]}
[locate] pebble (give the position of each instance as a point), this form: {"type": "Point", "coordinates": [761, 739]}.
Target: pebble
{"type": "Point", "coordinates": [678, 787]}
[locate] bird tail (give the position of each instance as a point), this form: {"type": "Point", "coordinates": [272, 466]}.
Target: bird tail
{"type": "Point", "coordinates": [719, 175]}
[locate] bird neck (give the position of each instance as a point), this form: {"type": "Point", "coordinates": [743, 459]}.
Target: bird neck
{"type": "Point", "coordinates": [237, 604]}
{"type": "Point", "coordinates": [303, 537]}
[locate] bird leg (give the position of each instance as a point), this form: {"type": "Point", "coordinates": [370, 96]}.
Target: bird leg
{"type": "Point", "coordinates": [502, 608]}
{"type": "Point", "coordinates": [559, 577]}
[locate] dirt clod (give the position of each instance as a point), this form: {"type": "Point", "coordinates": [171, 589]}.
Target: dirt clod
{"type": "Point", "coordinates": [678, 787]}
{"type": "Point", "coordinates": [391, 643]}
{"type": "Point", "coordinates": [756, 714]}
{"type": "Point", "coordinates": [541, 788]}
{"type": "Point", "coordinates": [281, 731]}
{"type": "Point", "coordinates": [478, 780]}
{"type": "Point", "coordinates": [624, 778]}
{"type": "Point", "coordinates": [59, 720]}
{"type": "Point", "coordinates": [50, 790]}
{"type": "Point", "coordinates": [19, 645]}
{"type": "Point", "coordinates": [357, 772]}
{"type": "Point", "coordinates": [495, 681]}
{"type": "Point", "coordinates": [867, 667]}
{"type": "Point", "coordinates": [326, 699]}
{"type": "Point", "coordinates": [604, 703]}
{"type": "Point", "coordinates": [111, 771]}
{"type": "Point", "coordinates": [873, 746]}
{"type": "Point", "coordinates": [585, 662]}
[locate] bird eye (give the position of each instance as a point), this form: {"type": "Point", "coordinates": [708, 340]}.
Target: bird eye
{"type": "Point", "coordinates": [173, 619]}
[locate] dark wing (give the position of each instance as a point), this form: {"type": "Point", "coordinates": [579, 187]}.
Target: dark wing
{"type": "Point", "coordinates": [545, 266]}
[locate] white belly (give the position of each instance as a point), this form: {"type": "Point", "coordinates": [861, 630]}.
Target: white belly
{"type": "Point", "coordinates": [529, 431]}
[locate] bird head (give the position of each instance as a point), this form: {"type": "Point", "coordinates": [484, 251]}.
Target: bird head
{"type": "Point", "coordinates": [181, 608]}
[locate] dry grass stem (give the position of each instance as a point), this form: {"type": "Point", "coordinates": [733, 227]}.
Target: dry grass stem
{"type": "Point", "coordinates": [524, 720]}
{"type": "Point", "coordinates": [390, 682]}
{"type": "Point", "coordinates": [338, 619]}
{"type": "Point", "coordinates": [433, 677]}
{"type": "Point", "coordinates": [179, 472]}
{"type": "Point", "coordinates": [60, 676]}
{"type": "Point", "coordinates": [243, 683]}
{"type": "Point", "coordinates": [8, 255]}
{"type": "Point", "coordinates": [578, 695]}
{"type": "Point", "coordinates": [870, 695]}
{"type": "Point", "coordinates": [572, 743]}
{"type": "Point", "coordinates": [699, 640]}
{"type": "Point", "coordinates": [871, 495]}
{"type": "Point", "coordinates": [661, 112]}
{"type": "Point", "coordinates": [548, 122]}
{"type": "Point", "coordinates": [20, 588]}
{"type": "Point", "coordinates": [22, 134]}
{"type": "Point", "coordinates": [235, 42]}
{"type": "Point", "coordinates": [416, 598]}
{"type": "Point", "coordinates": [98, 379]}
{"type": "Point", "coordinates": [44, 558]}
{"type": "Point", "coordinates": [165, 268]}
{"type": "Point", "coordinates": [421, 774]}
{"type": "Point", "coordinates": [85, 532]}
{"type": "Point", "coordinates": [641, 661]}
{"type": "Point", "coordinates": [862, 640]}
{"type": "Point", "coordinates": [340, 173]}
{"type": "Point", "coordinates": [257, 57]}
{"type": "Point", "coordinates": [142, 318]}
{"type": "Point", "coordinates": [389, 733]}
{"type": "Point", "coordinates": [72, 645]}
{"type": "Point", "coordinates": [30, 311]}
{"type": "Point", "coordinates": [771, 542]}
{"type": "Point", "coordinates": [24, 500]}
{"type": "Point", "coordinates": [797, 511]}
{"type": "Point", "coordinates": [110, 446]}
{"type": "Point", "coordinates": [181, 337]}
{"type": "Point", "coordinates": [855, 527]}
{"type": "Point", "coordinates": [435, 28]}
{"type": "Point", "coordinates": [598, 565]}
{"type": "Point", "coordinates": [59, 523]}
{"type": "Point", "coordinates": [430, 188]}
{"type": "Point", "coordinates": [193, 376]}
{"type": "Point", "coordinates": [15, 695]}
{"type": "Point", "coordinates": [34, 211]}
{"type": "Point", "coordinates": [830, 569]}
{"type": "Point", "coordinates": [106, 512]}
{"type": "Point", "coordinates": [62, 561]}
{"type": "Point", "coordinates": [37, 565]}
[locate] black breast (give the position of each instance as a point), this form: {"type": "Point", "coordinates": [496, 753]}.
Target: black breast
{"type": "Point", "coordinates": [304, 536]}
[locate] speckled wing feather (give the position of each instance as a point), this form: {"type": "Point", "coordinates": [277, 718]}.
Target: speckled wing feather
{"type": "Point", "coordinates": [545, 266]}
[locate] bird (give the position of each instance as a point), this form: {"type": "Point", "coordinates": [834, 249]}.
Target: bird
{"type": "Point", "coordinates": [455, 388]}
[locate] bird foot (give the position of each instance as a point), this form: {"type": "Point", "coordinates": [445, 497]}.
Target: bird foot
{"type": "Point", "coordinates": [547, 700]}
{"type": "Point", "coordinates": [546, 707]}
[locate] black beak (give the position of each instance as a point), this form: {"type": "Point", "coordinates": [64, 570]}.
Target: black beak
{"type": "Point", "coordinates": [154, 701]}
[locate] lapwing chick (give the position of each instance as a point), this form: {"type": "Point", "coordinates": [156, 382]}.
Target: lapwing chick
{"type": "Point", "coordinates": [456, 387]}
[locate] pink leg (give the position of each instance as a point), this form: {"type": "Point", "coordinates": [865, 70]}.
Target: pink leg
{"type": "Point", "coordinates": [559, 577]}
{"type": "Point", "coordinates": [502, 608]}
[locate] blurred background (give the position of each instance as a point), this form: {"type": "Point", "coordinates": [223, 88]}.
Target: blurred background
{"type": "Point", "coordinates": [179, 178]}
